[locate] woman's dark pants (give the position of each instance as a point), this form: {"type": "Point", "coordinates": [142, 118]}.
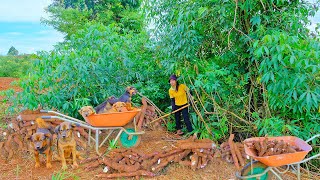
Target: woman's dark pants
{"type": "Point", "coordinates": [185, 115]}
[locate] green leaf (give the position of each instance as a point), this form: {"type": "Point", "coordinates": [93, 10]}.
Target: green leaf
{"type": "Point", "coordinates": [292, 58]}
{"type": "Point", "coordinates": [266, 50]}
{"type": "Point", "coordinates": [202, 11]}
{"type": "Point", "coordinates": [309, 101]}
{"type": "Point", "coordinates": [255, 20]}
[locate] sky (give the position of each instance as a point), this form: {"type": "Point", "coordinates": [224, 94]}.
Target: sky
{"type": "Point", "coordinates": [20, 26]}
{"type": "Point", "coordinates": [314, 20]}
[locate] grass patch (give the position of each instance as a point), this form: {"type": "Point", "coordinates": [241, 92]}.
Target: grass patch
{"type": "Point", "coordinates": [61, 175]}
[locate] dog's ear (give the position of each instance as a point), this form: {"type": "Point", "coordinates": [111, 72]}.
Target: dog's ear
{"type": "Point", "coordinates": [30, 138]}
{"type": "Point", "coordinates": [47, 135]}
{"type": "Point", "coordinates": [57, 129]}
{"type": "Point", "coordinates": [92, 109]}
{"type": "Point", "coordinates": [80, 111]}
{"type": "Point", "coordinates": [124, 104]}
{"type": "Point", "coordinates": [73, 125]}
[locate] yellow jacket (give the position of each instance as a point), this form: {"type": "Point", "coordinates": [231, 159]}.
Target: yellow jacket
{"type": "Point", "coordinates": [180, 96]}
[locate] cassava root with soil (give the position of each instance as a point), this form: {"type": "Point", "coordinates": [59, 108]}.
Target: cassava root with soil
{"type": "Point", "coordinates": [271, 147]}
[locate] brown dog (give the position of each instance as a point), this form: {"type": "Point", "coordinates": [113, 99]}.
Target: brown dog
{"type": "Point", "coordinates": [86, 111]}
{"type": "Point", "coordinates": [42, 142]}
{"type": "Point", "coordinates": [118, 107]}
{"type": "Point", "coordinates": [126, 98]}
{"type": "Point", "coordinates": [66, 144]}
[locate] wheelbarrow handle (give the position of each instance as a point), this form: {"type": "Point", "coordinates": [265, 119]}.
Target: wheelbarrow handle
{"type": "Point", "coordinates": [46, 117]}
{"type": "Point", "coordinates": [44, 111]}
{"type": "Point", "coordinates": [315, 136]}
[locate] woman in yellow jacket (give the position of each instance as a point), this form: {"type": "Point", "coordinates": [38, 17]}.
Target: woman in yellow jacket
{"type": "Point", "coordinates": [178, 96]}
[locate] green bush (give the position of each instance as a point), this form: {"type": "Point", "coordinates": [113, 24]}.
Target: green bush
{"type": "Point", "coordinates": [15, 66]}
{"type": "Point", "coordinates": [95, 63]}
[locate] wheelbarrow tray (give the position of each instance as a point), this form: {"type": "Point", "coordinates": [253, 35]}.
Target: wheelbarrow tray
{"type": "Point", "coordinates": [114, 119]}
{"type": "Point", "coordinates": [281, 159]}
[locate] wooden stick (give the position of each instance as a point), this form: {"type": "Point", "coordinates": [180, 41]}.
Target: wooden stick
{"type": "Point", "coordinates": [127, 174]}
{"type": "Point", "coordinates": [196, 145]}
{"type": "Point", "coordinates": [169, 113]}
{"type": "Point", "coordinates": [238, 153]}
{"type": "Point", "coordinates": [143, 112]}
{"type": "Point", "coordinates": [233, 153]}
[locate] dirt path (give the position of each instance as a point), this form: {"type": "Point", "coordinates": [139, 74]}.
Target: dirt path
{"type": "Point", "coordinates": [22, 165]}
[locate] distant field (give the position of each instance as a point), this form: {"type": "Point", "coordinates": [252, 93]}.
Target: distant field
{"type": "Point", "coordinates": [15, 66]}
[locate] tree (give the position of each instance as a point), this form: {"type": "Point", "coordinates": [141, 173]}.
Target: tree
{"type": "Point", "coordinates": [70, 16]}
{"type": "Point", "coordinates": [12, 51]}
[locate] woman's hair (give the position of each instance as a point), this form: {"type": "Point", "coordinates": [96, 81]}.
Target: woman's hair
{"type": "Point", "coordinates": [177, 85]}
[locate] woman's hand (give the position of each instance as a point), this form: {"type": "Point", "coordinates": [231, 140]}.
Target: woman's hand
{"type": "Point", "coordinates": [173, 104]}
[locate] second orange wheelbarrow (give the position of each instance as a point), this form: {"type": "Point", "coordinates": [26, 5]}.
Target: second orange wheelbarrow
{"type": "Point", "coordinates": [264, 167]}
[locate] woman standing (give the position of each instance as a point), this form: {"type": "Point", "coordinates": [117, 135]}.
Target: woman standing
{"type": "Point", "coordinates": [178, 96]}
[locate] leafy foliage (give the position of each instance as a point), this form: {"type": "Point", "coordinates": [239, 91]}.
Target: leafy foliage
{"type": "Point", "coordinates": [70, 16]}
{"type": "Point", "coordinates": [100, 63]}
{"type": "Point", "coordinates": [237, 55]}
{"type": "Point", "coordinates": [289, 66]}
{"type": "Point", "coordinates": [15, 66]}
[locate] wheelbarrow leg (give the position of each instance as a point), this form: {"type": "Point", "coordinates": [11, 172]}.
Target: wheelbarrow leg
{"type": "Point", "coordinates": [275, 173]}
{"type": "Point", "coordinates": [298, 171]}
{"type": "Point", "coordinates": [97, 141]}
{"type": "Point", "coordinates": [116, 139]}
{"type": "Point", "coordinates": [105, 139]}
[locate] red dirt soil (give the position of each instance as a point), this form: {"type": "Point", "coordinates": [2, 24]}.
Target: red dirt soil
{"type": "Point", "coordinates": [22, 164]}
{"type": "Point", "coordinates": [5, 84]}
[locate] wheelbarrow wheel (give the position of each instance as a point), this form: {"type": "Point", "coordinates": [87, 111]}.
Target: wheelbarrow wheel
{"type": "Point", "coordinates": [129, 141]}
{"type": "Point", "coordinates": [257, 168]}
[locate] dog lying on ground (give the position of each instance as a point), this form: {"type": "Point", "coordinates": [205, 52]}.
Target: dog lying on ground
{"type": "Point", "coordinates": [42, 142]}
{"type": "Point", "coordinates": [66, 144]}
{"type": "Point", "coordinates": [126, 98]}
{"type": "Point", "coordinates": [86, 111]}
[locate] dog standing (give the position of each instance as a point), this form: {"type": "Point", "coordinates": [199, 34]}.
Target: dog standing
{"type": "Point", "coordinates": [66, 144]}
{"type": "Point", "coordinates": [42, 142]}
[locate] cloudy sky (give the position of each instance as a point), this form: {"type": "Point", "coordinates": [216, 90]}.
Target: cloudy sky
{"type": "Point", "coordinates": [20, 26]}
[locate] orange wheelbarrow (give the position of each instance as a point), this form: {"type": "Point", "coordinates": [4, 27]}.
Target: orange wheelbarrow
{"type": "Point", "coordinates": [106, 122]}
{"type": "Point", "coordinates": [263, 168]}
